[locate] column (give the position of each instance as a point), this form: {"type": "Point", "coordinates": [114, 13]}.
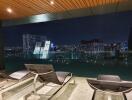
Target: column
{"type": "Point", "coordinates": [1, 49]}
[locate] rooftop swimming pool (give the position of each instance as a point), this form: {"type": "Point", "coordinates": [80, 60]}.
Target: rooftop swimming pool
{"type": "Point", "coordinates": [79, 67]}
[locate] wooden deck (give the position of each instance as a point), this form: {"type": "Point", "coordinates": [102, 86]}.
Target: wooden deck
{"type": "Point", "coordinates": [76, 88]}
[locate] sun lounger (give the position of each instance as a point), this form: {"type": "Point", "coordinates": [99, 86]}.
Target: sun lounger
{"type": "Point", "coordinates": [13, 84]}
{"type": "Point", "coordinates": [13, 78]}
{"type": "Point", "coordinates": [50, 76]}
{"type": "Point", "coordinates": [46, 74]}
{"type": "Point", "coordinates": [110, 83]}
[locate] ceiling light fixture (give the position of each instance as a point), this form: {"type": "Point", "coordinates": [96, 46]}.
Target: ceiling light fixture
{"type": "Point", "coordinates": [52, 2]}
{"type": "Point", "coordinates": [9, 10]}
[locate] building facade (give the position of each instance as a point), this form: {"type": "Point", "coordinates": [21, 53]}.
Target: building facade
{"type": "Point", "coordinates": [30, 41]}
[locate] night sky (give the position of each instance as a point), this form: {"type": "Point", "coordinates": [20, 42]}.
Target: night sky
{"type": "Point", "coordinates": [110, 28]}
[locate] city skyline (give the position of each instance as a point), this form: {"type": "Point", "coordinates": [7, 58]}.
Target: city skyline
{"type": "Point", "coordinates": [109, 28]}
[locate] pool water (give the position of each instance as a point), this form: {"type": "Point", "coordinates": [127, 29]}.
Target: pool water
{"type": "Point", "coordinates": [88, 68]}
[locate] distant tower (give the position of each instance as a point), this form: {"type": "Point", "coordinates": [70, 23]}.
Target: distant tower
{"type": "Point", "coordinates": [29, 42]}
{"type": "Point", "coordinates": [130, 40]}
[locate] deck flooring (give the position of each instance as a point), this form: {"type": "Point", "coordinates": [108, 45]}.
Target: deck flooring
{"type": "Point", "coordinates": [77, 88]}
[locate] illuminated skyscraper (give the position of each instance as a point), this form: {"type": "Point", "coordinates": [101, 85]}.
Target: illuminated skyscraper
{"type": "Point", "coordinates": [30, 41]}
{"type": "Point", "coordinates": [45, 50]}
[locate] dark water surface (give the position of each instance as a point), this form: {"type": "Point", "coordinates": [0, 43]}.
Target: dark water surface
{"type": "Point", "coordinates": [89, 68]}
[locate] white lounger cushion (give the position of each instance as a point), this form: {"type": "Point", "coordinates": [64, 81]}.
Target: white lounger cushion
{"type": "Point", "coordinates": [19, 74]}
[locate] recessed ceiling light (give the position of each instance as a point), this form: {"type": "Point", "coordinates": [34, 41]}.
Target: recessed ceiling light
{"type": "Point", "coordinates": [9, 10]}
{"type": "Point", "coordinates": [52, 2]}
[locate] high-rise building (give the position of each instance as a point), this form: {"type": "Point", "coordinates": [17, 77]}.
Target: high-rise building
{"type": "Point", "coordinates": [29, 42]}
{"type": "Point", "coordinates": [95, 46]}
